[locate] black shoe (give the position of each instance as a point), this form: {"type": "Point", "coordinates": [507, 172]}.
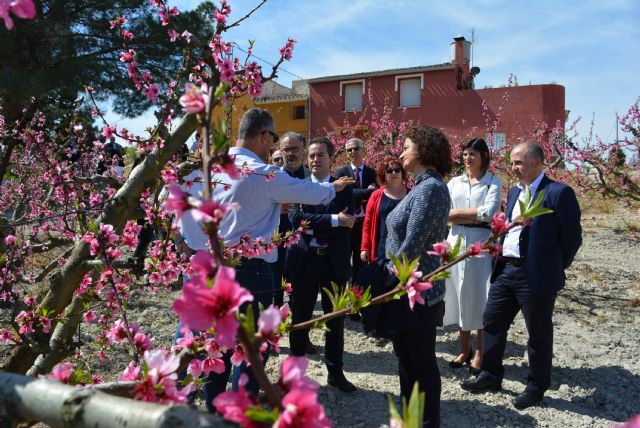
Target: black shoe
{"type": "Point", "coordinates": [474, 371]}
{"type": "Point", "coordinates": [337, 379]}
{"type": "Point", "coordinates": [483, 383]}
{"type": "Point", "coordinates": [527, 398]}
{"type": "Point", "coordinates": [310, 348]}
{"type": "Point", "coordinates": [456, 364]}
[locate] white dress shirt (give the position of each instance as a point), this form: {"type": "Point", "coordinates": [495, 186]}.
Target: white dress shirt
{"type": "Point", "coordinates": [259, 199]}
{"type": "Point", "coordinates": [511, 244]}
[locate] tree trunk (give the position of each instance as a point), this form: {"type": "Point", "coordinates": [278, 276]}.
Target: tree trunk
{"type": "Point", "coordinates": [64, 283]}
{"type": "Point", "coordinates": [23, 398]}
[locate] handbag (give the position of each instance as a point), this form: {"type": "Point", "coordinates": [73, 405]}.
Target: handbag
{"type": "Point", "coordinates": [390, 318]}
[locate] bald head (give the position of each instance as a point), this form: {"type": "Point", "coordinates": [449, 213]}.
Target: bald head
{"type": "Point", "coordinates": [527, 161]}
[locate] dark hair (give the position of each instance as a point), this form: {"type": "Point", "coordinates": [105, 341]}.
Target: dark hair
{"type": "Point", "coordinates": [327, 142]}
{"type": "Point", "coordinates": [381, 172]}
{"type": "Point", "coordinates": [480, 146]}
{"type": "Point", "coordinates": [534, 150]}
{"type": "Point", "coordinates": [433, 147]}
{"type": "Point", "coordinates": [253, 123]}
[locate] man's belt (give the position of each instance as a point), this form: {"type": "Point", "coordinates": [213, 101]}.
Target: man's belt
{"type": "Point", "coordinates": [478, 226]}
{"type": "Point", "coordinates": [319, 251]}
{"type": "Point", "coordinates": [513, 261]}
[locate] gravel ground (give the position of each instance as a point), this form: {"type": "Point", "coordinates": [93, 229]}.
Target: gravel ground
{"type": "Point", "coordinates": [595, 377]}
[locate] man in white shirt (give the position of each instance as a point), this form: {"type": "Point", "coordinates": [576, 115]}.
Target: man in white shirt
{"type": "Point", "coordinates": [259, 195]}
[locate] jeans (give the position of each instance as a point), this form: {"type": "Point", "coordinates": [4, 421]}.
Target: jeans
{"type": "Point", "coordinates": [256, 276]}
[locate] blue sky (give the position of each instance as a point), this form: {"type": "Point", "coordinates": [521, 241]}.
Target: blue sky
{"type": "Point", "coordinates": [590, 47]}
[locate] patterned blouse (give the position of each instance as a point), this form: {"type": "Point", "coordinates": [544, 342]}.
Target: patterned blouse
{"type": "Point", "coordinates": [418, 222]}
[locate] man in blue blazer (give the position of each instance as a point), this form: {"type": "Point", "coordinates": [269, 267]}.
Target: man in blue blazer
{"type": "Point", "coordinates": [528, 276]}
{"type": "Point", "coordinates": [320, 258]}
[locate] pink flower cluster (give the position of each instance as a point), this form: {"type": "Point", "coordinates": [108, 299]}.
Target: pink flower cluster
{"type": "Point", "coordinates": [159, 382]}
{"type": "Point", "coordinates": [195, 99]}
{"type": "Point", "coordinates": [287, 49]}
{"type": "Point", "coordinates": [442, 250]}
{"type": "Point", "coordinates": [415, 288]}
{"type": "Point", "coordinates": [499, 223]}
{"type": "Point", "coordinates": [202, 306]}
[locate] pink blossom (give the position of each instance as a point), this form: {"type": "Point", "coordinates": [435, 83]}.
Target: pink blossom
{"type": "Point", "coordinates": [127, 35]}
{"type": "Point", "coordinates": [414, 291]}
{"type": "Point", "coordinates": [62, 372]}
{"type": "Point", "coordinates": [151, 92]}
{"type": "Point", "coordinates": [442, 250]}
{"type": "Point", "coordinates": [293, 375]}
{"type": "Point", "coordinates": [173, 34]}
{"type": "Point", "coordinates": [209, 210]}
{"type": "Point", "coordinates": [24, 9]}
{"type": "Point", "coordinates": [127, 56]}
{"type": "Point", "coordinates": [108, 131]}
{"type": "Point", "coordinates": [186, 35]}
{"type": "Point", "coordinates": [194, 368]}
{"type": "Point", "coordinates": [203, 263]}
{"type": "Point", "coordinates": [10, 240]}
{"type": "Point", "coordinates": [201, 307]}
{"type": "Point", "coordinates": [89, 316]}
{"type": "Point", "coordinates": [227, 71]}
{"type": "Point", "coordinates": [132, 372]}
{"type": "Point", "coordinates": [287, 287]}
{"type": "Point", "coordinates": [269, 321]}
{"type": "Point", "coordinates": [301, 409]}
{"type": "Point", "coordinates": [159, 383]}
{"type": "Point", "coordinates": [499, 223]}
{"type": "Point", "coordinates": [475, 249]}
{"type": "Point", "coordinates": [195, 99]}
{"type": "Point", "coordinates": [233, 405]}
{"type": "Point", "coordinates": [287, 49]}
{"type": "Point", "coordinates": [239, 356]}
{"type": "Point", "coordinates": [176, 203]}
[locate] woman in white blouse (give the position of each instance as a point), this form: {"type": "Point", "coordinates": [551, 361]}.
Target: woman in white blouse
{"type": "Point", "coordinates": [475, 198]}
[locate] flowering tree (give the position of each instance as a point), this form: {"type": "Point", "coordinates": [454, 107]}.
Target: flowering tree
{"type": "Point", "coordinates": [58, 205]}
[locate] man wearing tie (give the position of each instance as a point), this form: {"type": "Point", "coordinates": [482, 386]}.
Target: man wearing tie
{"type": "Point", "coordinates": [365, 185]}
{"type": "Point", "coordinates": [320, 258]}
{"type": "Point", "coordinates": [528, 276]}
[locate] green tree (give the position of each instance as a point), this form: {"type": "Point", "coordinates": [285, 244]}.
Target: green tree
{"type": "Point", "coordinates": [70, 44]}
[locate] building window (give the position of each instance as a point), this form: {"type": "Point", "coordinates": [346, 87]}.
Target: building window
{"type": "Point", "coordinates": [496, 140]}
{"type": "Point", "coordinates": [353, 92]}
{"type": "Point", "coordinates": [298, 112]}
{"type": "Point", "coordinates": [410, 92]}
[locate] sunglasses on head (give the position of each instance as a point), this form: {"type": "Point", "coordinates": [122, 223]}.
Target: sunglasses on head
{"type": "Point", "coordinates": [353, 149]}
{"type": "Point", "coordinates": [394, 170]}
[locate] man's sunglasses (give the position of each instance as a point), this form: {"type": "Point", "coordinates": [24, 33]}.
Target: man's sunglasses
{"type": "Point", "coordinates": [278, 159]}
{"type": "Point", "coordinates": [353, 149]}
{"type": "Point", "coordinates": [394, 170]}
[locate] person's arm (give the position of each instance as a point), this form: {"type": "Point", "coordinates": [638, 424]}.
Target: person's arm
{"type": "Point", "coordinates": [286, 189]}
{"type": "Point", "coordinates": [567, 214]}
{"type": "Point", "coordinates": [365, 247]}
{"type": "Point", "coordinates": [315, 221]}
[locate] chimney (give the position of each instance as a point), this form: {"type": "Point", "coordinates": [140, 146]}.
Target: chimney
{"type": "Point", "coordinates": [461, 58]}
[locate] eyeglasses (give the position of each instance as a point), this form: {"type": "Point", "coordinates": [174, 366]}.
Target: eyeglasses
{"type": "Point", "coordinates": [278, 159]}
{"type": "Point", "coordinates": [275, 136]}
{"type": "Point", "coordinates": [394, 170]}
{"type": "Point", "coordinates": [353, 149]}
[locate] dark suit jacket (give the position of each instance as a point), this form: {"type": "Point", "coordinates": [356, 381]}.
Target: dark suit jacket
{"type": "Point", "coordinates": [338, 238]}
{"type": "Point", "coordinates": [302, 173]}
{"type": "Point", "coordinates": [549, 244]}
{"type": "Point", "coordinates": [368, 178]}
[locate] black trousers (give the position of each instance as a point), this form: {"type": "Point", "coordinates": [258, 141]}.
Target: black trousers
{"type": "Point", "coordinates": [278, 271]}
{"type": "Point", "coordinates": [356, 242]}
{"type": "Point", "coordinates": [508, 294]}
{"type": "Point", "coordinates": [317, 274]}
{"type": "Point", "coordinates": [416, 352]}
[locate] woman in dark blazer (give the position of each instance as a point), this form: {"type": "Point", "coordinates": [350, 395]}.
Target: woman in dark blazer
{"type": "Point", "coordinates": [418, 222]}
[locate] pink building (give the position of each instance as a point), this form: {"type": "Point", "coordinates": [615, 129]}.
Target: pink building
{"type": "Point", "coordinates": [440, 95]}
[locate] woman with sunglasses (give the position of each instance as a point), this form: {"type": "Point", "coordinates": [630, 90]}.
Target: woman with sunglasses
{"type": "Point", "coordinates": [391, 177]}
{"type": "Point", "coordinates": [475, 198]}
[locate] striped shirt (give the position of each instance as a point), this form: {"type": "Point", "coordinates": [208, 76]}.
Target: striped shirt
{"type": "Point", "coordinates": [418, 222]}
{"type": "Point", "coordinates": [259, 199]}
